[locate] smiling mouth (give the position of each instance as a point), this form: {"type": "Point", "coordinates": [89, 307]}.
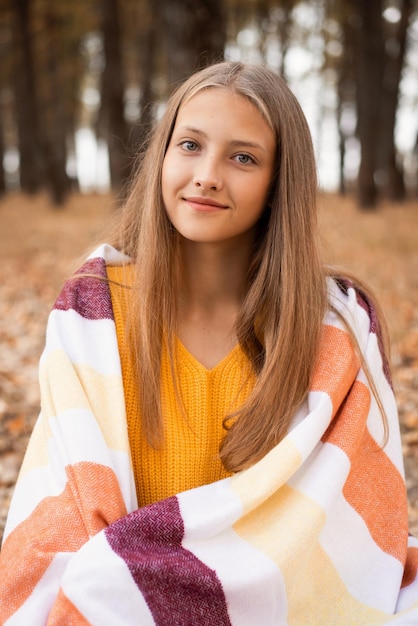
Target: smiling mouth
{"type": "Point", "coordinates": [204, 204]}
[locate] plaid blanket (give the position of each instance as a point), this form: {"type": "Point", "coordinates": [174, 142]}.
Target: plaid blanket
{"type": "Point", "coordinates": [314, 534]}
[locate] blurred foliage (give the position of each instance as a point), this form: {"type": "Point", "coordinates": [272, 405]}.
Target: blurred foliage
{"type": "Point", "coordinates": [109, 65]}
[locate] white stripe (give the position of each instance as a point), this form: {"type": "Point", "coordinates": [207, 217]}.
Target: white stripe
{"type": "Point", "coordinates": [356, 316]}
{"type": "Point", "coordinates": [406, 620]}
{"type": "Point", "coordinates": [374, 577]}
{"type": "Point", "coordinates": [73, 433]}
{"type": "Point", "coordinates": [254, 589]}
{"type": "Point", "coordinates": [88, 342]}
{"type": "Point", "coordinates": [323, 475]}
{"type": "Point", "coordinates": [408, 598]}
{"type": "Point", "coordinates": [253, 586]}
{"type": "Point", "coordinates": [209, 510]}
{"type": "Point", "coordinates": [105, 600]}
{"type": "Point", "coordinates": [408, 595]}
{"type": "Point", "coordinates": [109, 254]}
{"type": "Point", "coordinates": [310, 427]}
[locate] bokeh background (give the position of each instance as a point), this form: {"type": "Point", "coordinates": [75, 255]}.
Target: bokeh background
{"type": "Point", "coordinates": [83, 81]}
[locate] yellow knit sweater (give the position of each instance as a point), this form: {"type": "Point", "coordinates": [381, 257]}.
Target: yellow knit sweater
{"type": "Point", "coordinates": [189, 456]}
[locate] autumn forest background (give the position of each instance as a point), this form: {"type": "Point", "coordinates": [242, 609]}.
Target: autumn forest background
{"type": "Point", "coordinates": [83, 81]}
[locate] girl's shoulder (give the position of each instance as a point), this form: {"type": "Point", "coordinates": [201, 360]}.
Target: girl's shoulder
{"type": "Point", "coordinates": [346, 289]}
{"type": "Point", "coordinates": [357, 304]}
{"type": "Point", "coordinates": [86, 292]}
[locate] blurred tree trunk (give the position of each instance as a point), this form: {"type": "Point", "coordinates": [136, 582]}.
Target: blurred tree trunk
{"type": "Point", "coordinates": [195, 35]}
{"type": "Point", "coordinates": [2, 173]}
{"type": "Point", "coordinates": [415, 157]}
{"type": "Point", "coordinates": [378, 61]}
{"type": "Point", "coordinates": [345, 91]}
{"type": "Point", "coordinates": [341, 145]}
{"type": "Point", "coordinates": [392, 172]}
{"type": "Point", "coordinates": [5, 91]}
{"type": "Point", "coordinates": [147, 53]}
{"type": "Point", "coordinates": [55, 126]}
{"type": "Point", "coordinates": [369, 64]}
{"type": "Point", "coordinates": [112, 124]}
{"type": "Point", "coordinates": [31, 163]}
{"type": "Point", "coordinates": [148, 57]}
{"type": "Point", "coordinates": [285, 27]}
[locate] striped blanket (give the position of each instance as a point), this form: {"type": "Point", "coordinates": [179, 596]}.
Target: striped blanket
{"type": "Point", "coordinates": [314, 534]}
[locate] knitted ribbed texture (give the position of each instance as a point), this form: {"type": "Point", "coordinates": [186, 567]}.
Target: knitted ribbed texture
{"type": "Point", "coordinates": [190, 455]}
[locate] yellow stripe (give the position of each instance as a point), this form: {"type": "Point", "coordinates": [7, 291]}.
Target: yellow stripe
{"type": "Point", "coordinates": [36, 453]}
{"type": "Point", "coordinates": [286, 528]}
{"type": "Point", "coordinates": [257, 483]}
{"type": "Point", "coordinates": [81, 387]}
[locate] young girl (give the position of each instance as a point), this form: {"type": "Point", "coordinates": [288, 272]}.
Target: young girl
{"type": "Point", "coordinates": [218, 442]}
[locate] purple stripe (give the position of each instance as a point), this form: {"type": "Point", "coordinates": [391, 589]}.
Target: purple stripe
{"type": "Point", "coordinates": [177, 586]}
{"type": "Point", "coordinates": [87, 295]}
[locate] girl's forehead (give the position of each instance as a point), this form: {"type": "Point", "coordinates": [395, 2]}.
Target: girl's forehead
{"type": "Point", "coordinates": [208, 93]}
{"type": "Point", "coordinates": [204, 97]}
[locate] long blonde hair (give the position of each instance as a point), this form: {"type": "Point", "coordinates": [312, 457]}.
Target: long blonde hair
{"type": "Point", "coordinates": [279, 324]}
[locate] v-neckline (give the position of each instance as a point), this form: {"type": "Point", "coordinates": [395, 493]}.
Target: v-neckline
{"type": "Point", "coordinates": [199, 365]}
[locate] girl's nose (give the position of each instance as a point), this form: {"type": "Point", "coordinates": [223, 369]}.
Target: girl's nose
{"type": "Point", "coordinates": [207, 174]}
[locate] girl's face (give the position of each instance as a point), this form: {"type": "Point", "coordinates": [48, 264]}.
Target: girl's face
{"type": "Point", "coordinates": [218, 168]}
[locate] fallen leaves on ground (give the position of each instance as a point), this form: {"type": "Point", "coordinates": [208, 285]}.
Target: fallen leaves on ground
{"type": "Point", "coordinates": [40, 246]}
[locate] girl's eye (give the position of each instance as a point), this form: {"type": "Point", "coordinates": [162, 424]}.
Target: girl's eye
{"type": "Point", "coordinates": [244, 159]}
{"type": "Point", "coordinates": [189, 145]}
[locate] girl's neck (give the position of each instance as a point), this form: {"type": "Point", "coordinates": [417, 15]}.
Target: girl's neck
{"type": "Point", "coordinates": [212, 281]}
{"type": "Point", "coordinates": [212, 275]}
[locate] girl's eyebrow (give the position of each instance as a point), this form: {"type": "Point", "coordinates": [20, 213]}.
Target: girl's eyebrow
{"type": "Point", "coordinates": [237, 143]}
{"type": "Point", "coordinates": [243, 143]}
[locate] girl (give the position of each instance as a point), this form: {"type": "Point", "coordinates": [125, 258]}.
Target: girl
{"type": "Point", "coordinates": [218, 441]}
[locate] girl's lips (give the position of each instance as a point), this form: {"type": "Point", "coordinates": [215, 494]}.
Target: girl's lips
{"type": "Point", "coordinates": [204, 204]}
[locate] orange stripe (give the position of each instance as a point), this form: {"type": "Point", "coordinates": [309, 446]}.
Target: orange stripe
{"type": "Point", "coordinates": [337, 365]}
{"type": "Point", "coordinates": [90, 501]}
{"type": "Point", "coordinates": [348, 428]}
{"type": "Point", "coordinates": [64, 612]}
{"type": "Point", "coordinates": [374, 487]}
{"type": "Point", "coordinates": [411, 567]}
